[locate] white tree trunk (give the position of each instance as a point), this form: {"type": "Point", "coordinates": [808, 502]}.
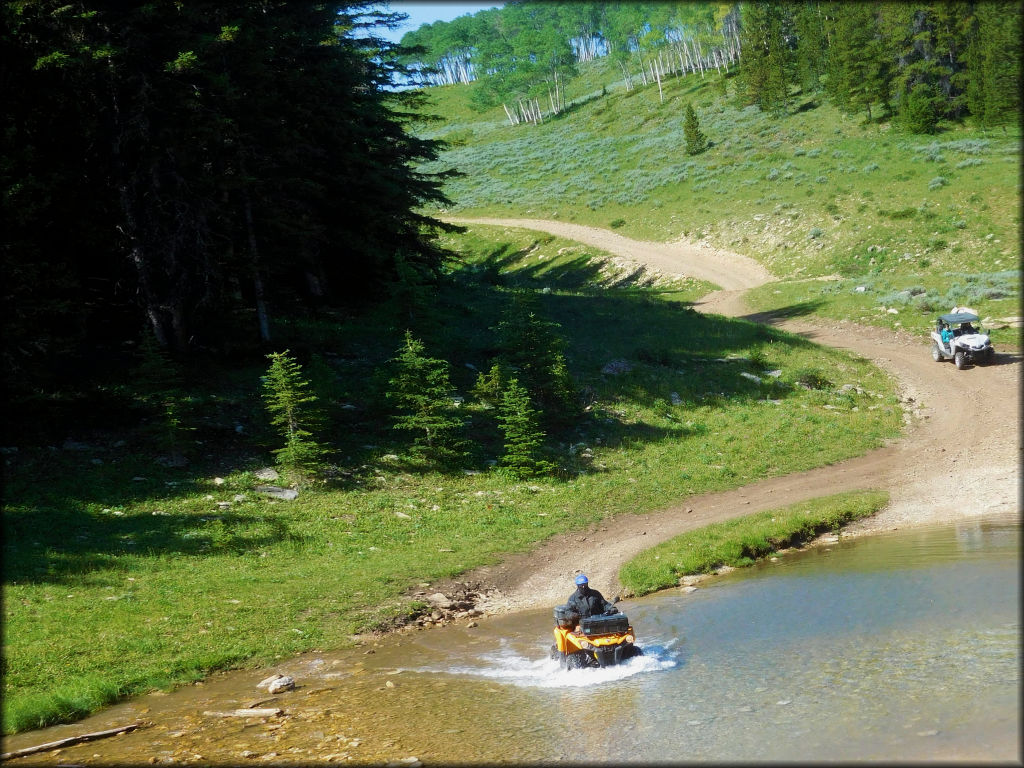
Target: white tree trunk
{"type": "Point", "coordinates": [626, 77]}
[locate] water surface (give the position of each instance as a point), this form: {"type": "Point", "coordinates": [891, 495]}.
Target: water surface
{"type": "Point", "coordinates": [899, 646]}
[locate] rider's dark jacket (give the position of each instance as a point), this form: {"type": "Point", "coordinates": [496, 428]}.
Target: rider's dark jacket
{"type": "Point", "coordinates": [589, 603]}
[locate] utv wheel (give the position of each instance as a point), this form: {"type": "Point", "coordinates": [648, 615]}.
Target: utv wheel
{"type": "Point", "coordinates": [958, 360]}
{"type": "Point", "coordinates": [937, 353]}
{"type": "Point", "coordinates": [990, 356]}
{"type": "Point", "coordinates": [554, 652]}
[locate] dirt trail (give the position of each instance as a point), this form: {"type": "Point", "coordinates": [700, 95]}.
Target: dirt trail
{"type": "Point", "coordinates": [959, 457]}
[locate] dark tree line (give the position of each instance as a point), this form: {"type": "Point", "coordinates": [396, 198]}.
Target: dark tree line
{"type": "Point", "coordinates": [917, 62]}
{"type": "Point", "coordinates": [194, 170]}
{"type": "Point", "coordinates": [920, 62]}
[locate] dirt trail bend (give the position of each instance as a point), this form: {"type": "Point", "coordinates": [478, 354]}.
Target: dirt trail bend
{"type": "Point", "coordinates": [729, 270]}
{"type": "Point", "coordinates": [959, 457]}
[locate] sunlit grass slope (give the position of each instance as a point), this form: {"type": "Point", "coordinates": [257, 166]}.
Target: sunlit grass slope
{"type": "Point", "coordinates": [911, 223]}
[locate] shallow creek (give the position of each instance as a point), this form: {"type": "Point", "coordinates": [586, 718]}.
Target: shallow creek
{"type": "Point", "coordinates": [898, 646]}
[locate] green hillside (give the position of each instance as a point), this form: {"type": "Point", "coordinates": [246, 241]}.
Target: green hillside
{"type": "Point", "coordinates": [919, 222]}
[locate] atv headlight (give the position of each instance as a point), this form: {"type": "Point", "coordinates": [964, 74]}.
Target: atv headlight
{"type": "Point", "coordinates": [630, 638]}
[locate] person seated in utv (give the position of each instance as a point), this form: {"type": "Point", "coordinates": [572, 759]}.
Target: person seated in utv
{"type": "Point", "coordinates": [966, 328]}
{"type": "Point", "coordinates": [946, 334]}
{"type": "Point", "coordinates": [588, 602]}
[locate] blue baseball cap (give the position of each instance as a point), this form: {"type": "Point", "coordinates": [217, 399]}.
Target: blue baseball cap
{"type": "Point", "coordinates": [581, 579]}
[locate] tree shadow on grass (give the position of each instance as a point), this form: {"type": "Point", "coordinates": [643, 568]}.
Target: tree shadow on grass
{"type": "Point", "coordinates": [780, 314]}
{"type": "Point", "coordinates": [63, 517]}
{"type": "Point", "coordinates": [43, 547]}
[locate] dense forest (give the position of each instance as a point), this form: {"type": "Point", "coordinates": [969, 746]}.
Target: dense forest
{"type": "Point", "coordinates": [193, 171]}
{"type": "Point", "coordinates": [920, 62]}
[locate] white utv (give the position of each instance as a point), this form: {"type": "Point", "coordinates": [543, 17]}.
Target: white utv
{"type": "Point", "coordinates": [965, 344]}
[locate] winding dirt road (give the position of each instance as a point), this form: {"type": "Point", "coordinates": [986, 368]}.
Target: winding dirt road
{"type": "Point", "coordinates": [959, 457]}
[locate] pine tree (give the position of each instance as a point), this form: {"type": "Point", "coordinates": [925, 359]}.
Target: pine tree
{"type": "Point", "coordinates": [766, 65]}
{"type": "Point", "coordinates": [532, 347]}
{"type": "Point", "coordinates": [696, 141]}
{"type": "Point", "coordinates": [810, 24]}
{"type": "Point", "coordinates": [917, 111]}
{"type": "Point", "coordinates": [289, 398]}
{"type": "Point", "coordinates": [489, 386]}
{"type": "Point", "coordinates": [860, 66]}
{"type": "Point", "coordinates": [524, 438]}
{"type": "Point", "coordinates": [423, 397]}
{"type": "Point", "coordinates": [993, 86]}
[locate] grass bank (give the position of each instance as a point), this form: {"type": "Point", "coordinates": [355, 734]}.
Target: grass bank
{"type": "Point", "coordinates": [742, 541]}
{"type": "Point", "coordinates": [123, 575]}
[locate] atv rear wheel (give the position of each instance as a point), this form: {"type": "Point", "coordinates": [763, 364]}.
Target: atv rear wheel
{"type": "Point", "coordinates": [937, 353]}
{"type": "Point", "coordinates": [959, 360]}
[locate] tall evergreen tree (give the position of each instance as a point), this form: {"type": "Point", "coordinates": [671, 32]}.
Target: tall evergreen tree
{"type": "Point", "coordinates": [994, 80]}
{"type": "Point", "coordinates": [174, 166]}
{"type": "Point", "coordinates": [860, 67]}
{"type": "Point", "coordinates": [810, 24]}
{"type": "Point", "coordinates": [767, 62]}
{"type": "Point", "coordinates": [925, 45]}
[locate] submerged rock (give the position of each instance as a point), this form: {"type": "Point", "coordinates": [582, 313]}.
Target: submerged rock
{"type": "Point", "coordinates": [284, 683]}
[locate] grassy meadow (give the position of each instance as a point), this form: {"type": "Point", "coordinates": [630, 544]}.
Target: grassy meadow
{"type": "Point", "coordinates": [122, 575]}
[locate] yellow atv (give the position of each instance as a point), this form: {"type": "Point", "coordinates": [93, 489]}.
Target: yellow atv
{"type": "Point", "coordinates": [596, 641]}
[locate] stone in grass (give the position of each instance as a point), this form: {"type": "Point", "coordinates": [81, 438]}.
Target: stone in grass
{"type": "Point", "coordinates": [268, 473]}
{"type": "Point", "coordinates": [276, 492]}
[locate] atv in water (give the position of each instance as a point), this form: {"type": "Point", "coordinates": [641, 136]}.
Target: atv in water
{"type": "Point", "coordinates": [964, 344]}
{"type": "Point", "coordinates": [596, 641]}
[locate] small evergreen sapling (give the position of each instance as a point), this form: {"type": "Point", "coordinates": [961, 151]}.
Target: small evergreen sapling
{"type": "Point", "coordinates": [423, 397]}
{"type": "Point", "coordinates": [696, 141]}
{"type": "Point", "coordinates": [524, 439]}
{"type": "Point", "coordinates": [490, 385]}
{"type": "Point", "coordinates": [532, 347]}
{"type": "Point", "coordinates": [917, 111]}
{"type": "Point", "coordinates": [289, 398]}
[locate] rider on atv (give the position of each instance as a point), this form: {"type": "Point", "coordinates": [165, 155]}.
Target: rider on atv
{"type": "Point", "coordinates": [590, 631]}
{"type": "Point", "coordinates": [588, 602]}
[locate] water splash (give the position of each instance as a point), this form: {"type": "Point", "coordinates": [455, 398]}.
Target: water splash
{"type": "Point", "coordinates": [508, 666]}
